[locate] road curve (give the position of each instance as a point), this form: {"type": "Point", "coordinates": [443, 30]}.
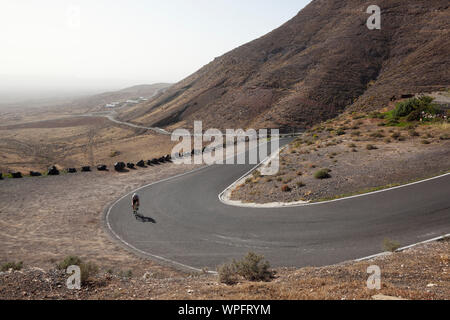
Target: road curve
{"type": "Point", "coordinates": [189, 227]}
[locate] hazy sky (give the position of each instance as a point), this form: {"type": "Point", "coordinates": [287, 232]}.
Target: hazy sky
{"type": "Point", "coordinates": [117, 43]}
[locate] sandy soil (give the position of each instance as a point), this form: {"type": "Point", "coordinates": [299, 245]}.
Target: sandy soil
{"type": "Point", "coordinates": [76, 142]}
{"type": "Point", "coordinates": [43, 220]}
{"type": "Point", "coordinates": [419, 273]}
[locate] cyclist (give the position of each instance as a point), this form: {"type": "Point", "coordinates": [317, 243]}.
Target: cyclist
{"type": "Point", "coordinates": [135, 203]}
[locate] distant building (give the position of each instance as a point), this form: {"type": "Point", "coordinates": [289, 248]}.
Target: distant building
{"type": "Point", "coordinates": [133, 101]}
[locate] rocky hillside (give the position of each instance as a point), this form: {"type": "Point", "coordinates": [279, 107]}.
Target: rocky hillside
{"type": "Point", "coordinates": [312, 67]}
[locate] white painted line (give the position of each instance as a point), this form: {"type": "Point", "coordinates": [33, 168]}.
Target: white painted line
{"type": "Point", "coordinates": [403, 249]}
{"type": "Point", "coordinates": [296, 204]}
{"type": "Point", "coordinates": [139, 250]}
{"type": "Point", "coordinates": [207, 166]}
{"type": "Point", "coordinates": [118, 237]}
{"type": "Point", "coordinates": [224, 196]}
{"type": "Point", "coordinates": [424, 242]}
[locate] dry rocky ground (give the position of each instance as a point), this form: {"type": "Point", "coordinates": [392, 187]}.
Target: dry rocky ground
{"type": "Point", "coordinates": [43, 220]}
{"type": "Point", "coordinates": [419, 273]}
{"type": "Point", "coordinates": [75, 142]}
{"type": "Point", "coordinates": [360, 155]}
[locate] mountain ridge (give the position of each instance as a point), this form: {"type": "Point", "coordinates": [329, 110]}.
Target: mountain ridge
{"type": "Point", "coordinates": [313, 67]}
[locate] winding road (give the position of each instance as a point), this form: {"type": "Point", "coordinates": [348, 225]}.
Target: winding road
{"type": "Point", "coordinates": [188, 226]}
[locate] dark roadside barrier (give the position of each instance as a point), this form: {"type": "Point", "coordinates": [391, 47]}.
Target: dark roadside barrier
{"type": "Point", "coordinates": [149, 162]}
{"type": "Point", "coordinates": [35, 174]}
{"type": "Point", "coordinates": [17, 175]}
{"type": "Point", "coordinates": [52, 171]}
{"type": "Point", "coordinates": [119, 166]}
{"type": "Point", "coordinates": [1, 176]}
{"type": "Point", "coordinates": [130, 165]}
{"type": "Point", "coordinates": [155, 161]}
{"type": "Point", "coordinates": [71, 170]}
{"type": "Point", "coordinates": [141, 164]}
{"type": "Point", "coordinates": [86, 169]}
{"type": "Point", "coordinates": [102, 167]}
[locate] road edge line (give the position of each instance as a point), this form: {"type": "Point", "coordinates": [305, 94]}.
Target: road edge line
{"type": "Point", "coordinates": [107, 212]}
{"type": "Point", "coordinates": [287, 205]}
{"type": "Point", "coordinates": [446, 236]}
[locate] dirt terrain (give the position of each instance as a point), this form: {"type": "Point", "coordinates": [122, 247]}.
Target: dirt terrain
{"type": "Point", "coordinates": [42, 220]}
{"type": "Point", "coordinates": [360, 156]}
{"type": "Point", "coordinates": [75, 142]}
{"type": "Point", "coordinates": [419, 273]}
{"type": "Point", "coordinates": [70, 134]}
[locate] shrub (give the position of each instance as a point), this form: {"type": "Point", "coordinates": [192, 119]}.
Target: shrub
{"type": "Point", "coordinates": [254, 268]}
{"type": "Point", "coordinates": [300, 184]}
{"type": "Point", "coordinates": [396, 135]}
{"type": "Point", "coordinates": [340, 132]}
{"type": "Point", "coordinates": [402, 109]}
{"type": "Point", "coordinates": [358, 116]}
{"type": "Point", "coordinates": [228, 273]}
{"type": "Point", "coordinates": [445, 137]}
{"type": "Point", "coordinates": [414, 133]}
{"type": "Point", "coordinates": [12, 265]}
{"type": "Point", "coordinates": [392, 123]}
{"type": "Point", "coordinates": [256, 173]}
{"type": "Point", "coordinates": [413, 108]}
{"type": "Point", "coordinates": [88, 270]}
{"type": "Point", "coordinates": [371, 147]}
{"type": "Point", "coordinates": [69, 261]}
{"type": "Point", "coordinates": [377, 135]}
{"type": "Point", "coordinates": [425, 142]}
{"type": "Point", "coordinates": [114, 154]}
{"type": "Point", "coordinates": [389, 245]}
{"type": "Point", "coordinates": [322, 174]}
{"type": "Point", "coordinates": [286, 188]}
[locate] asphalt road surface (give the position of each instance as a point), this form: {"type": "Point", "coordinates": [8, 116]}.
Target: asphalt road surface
{"type": "Point", "coordinates": [187, 225]}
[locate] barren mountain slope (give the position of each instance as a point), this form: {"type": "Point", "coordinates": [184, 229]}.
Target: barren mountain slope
{"type": "Point", "coordinates": [315, 65]}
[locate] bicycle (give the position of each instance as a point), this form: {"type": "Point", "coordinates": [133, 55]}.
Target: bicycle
{"type": "Point", "coordinates": [135, 209]}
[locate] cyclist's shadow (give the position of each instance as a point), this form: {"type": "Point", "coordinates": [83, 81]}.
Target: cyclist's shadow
{"type": "Point", "coordinates": [144, 219]}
